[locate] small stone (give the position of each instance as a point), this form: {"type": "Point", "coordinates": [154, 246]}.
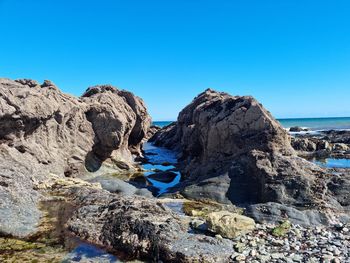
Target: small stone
{"type": "Point", "coordinates": [219, 237]}
{"type": "Point", "coordinates": [278, 242]}
{"type": "Point", "coordinates": [253, 253]}
{"type": "Point", "coordinates": [252, 243]}
{"type": "Point", "coordinates": [240, 257]}
{"type": "Point", "coordinates": [277, 255]}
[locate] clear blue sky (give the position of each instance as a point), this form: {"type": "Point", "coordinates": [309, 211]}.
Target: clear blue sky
{"type": "Point", "coordinates": [292, 55]}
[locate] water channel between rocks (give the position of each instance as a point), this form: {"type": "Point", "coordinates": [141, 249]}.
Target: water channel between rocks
{"type": "Point", "coordinates": [54, 244]}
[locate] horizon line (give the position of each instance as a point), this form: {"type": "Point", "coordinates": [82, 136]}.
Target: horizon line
{"type": "Point", "coordinates": [289, 118]}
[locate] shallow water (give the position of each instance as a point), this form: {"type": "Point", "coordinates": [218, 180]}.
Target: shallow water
{"type": "Point", "coordinates": [89, 253]}
{"type": "Point", "coordinates": [52, 243]}
{"type": "Point", "coordinates": [157, 157]}
{"type": "Point", "coordinates": [333, 163]}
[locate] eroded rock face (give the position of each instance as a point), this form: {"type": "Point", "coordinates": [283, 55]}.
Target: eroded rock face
{"type": "Point", "coordinates": [232, 150]}
{"type": "Point", "coordinates": [68, 133]}
{"type": "Point", "coordinates": [43, 131]}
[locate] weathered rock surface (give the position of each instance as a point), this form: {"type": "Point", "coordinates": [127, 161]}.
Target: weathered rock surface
{"type": "Point", "coordinates": [232, 150]}
{"type": "Point", "coordinates": [43, 131]}
{"type": "Point", "coordinates": [229, 225]}
{"type": "Point", "coordinates": [323, 144]}
{"type": "Point", "coordinates": [141, 228]}
{"type": "Point", "coordinates": [275, 213]}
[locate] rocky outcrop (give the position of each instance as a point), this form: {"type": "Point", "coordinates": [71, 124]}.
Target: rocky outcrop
{"type": "Point", "coordinates": [44, 131]}
{"type": "Point", "coordinates": [141, 228]}
{"type": "Point", "coordinates": [323, 144]}
{"type": "Point", "coordinates": [232, 150]}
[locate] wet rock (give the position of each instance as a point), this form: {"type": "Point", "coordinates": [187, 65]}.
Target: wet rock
{"type": "Point", "coordinates": [19, 213]}
{"type": "Point", "coordinates": [228, 224]}
{"type": "Point", "coordinates": [142, 228]}
{"type": "Point", "coordinates": [165, 177]}
{"type": "Point", "coordinates": [115, 185]}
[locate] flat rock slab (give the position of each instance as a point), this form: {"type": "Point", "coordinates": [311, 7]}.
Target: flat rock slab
{"type": "Point", "coordinates": [142, 229]}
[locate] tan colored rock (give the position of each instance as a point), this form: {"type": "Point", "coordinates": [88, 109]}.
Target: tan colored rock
{"type": "Point", "coordinates": [69, 134]}
{"type": "Point", "coordinates": [44, 132]}
{"type": "Point", "coordinates": [340, 147]}
{"type": "Point", "coordinates": [229, 225]}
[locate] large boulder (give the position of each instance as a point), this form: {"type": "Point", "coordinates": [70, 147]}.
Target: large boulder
{"type": "Point", "coordinates": [229, 225]}
{"type": "Point", "coordinates": [44, 131]}
{"type": "Point", "coordinates": [232, 150]}
{"type": "Point", "coordinates": [141, 228]}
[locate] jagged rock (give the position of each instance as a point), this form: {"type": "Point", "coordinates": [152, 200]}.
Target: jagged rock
{"type": "Point", "coordinates": [152, 130]}
{"type": "Point", "coordinates": [340, 147]}
{"type": "Point", "coordinates": [44, 131]}
{"type": "Point", "coordinates": [304, 144]}
{"type": "Point", "coordinates": [323, 144]}
{"type": "Point", "coordinates": [232, 150]}
{"type": "Point", "coordinates": [142, 228]}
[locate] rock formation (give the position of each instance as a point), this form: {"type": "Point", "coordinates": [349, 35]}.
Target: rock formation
{"type": "Point", "coordinates": [233, 151]}
{"type": "Point", "coordinates": [141, 228]}
{"type": "Point", "coordinates": [44, 131]}
{"type": "Point", "coordinates": [323, 144]}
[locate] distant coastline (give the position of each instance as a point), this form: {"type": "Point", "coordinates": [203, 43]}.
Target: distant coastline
{"type": "Point", "coordinates": [324, 123]}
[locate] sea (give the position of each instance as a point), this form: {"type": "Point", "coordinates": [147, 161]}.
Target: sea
{"type": "Point", "coordinates": [314, 124]}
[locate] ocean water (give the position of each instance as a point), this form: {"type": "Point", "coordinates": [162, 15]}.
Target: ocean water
{"type": "Point", "coordinates": [311, 123]}
{"type": "Point", "coordinates": [333, 163]}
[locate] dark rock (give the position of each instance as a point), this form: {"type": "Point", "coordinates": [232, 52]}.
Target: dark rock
{"type": "Point", "coordinates": [152, 130]}
{"type": "Point", "coordinates": [29, 82]}
{"type": "Point", "coordinates": [232, 150]}
{"type": "Point", "coordinates": [165, 177]}
{"type": "Point", "coordinates": [276, 213]}
{"type": "Point", "coordinates": [304, 144]}
{"type": "Point", "coordinates": [142, 229]}
{"type": "Point", "coordinates": [297, 129]}
{"type": "Point", "coordinates": [115, 185]}
{"type": "Point", "coordinates": [339, 185]}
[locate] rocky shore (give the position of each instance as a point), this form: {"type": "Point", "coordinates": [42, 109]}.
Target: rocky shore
{"type": "Point", "coordinates": [232, 150]}
{"type": "Point", "coordinates": [323, 144]}
{"type": "Point", "coordinates": [245, 195]}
